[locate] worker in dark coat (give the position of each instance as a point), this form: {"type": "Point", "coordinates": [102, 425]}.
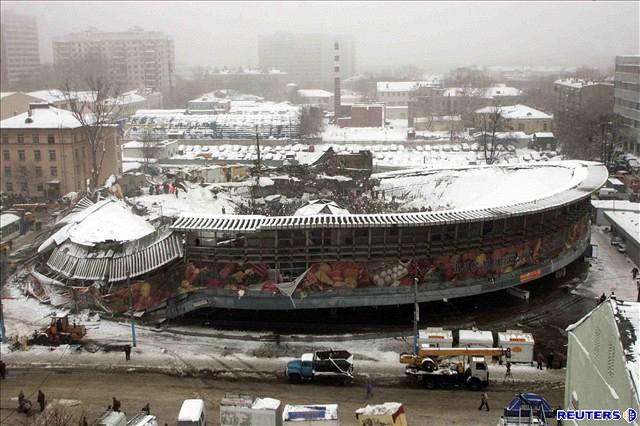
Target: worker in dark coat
{"type": "Point", "coordinates": [116, 404]}
{"type": "Point", "coordinates": [634, 272]}
{"type": "Point", "coordinates": [3, 370]}
{"type": "Point", "coordinates": [127, 352]}
{"type": "Point", "coordinates": [146, 409]}
{"type": "Point", "coordinates": [41, 400]}
{"type": "Point", "coordinates": [540, 359]}
{"type": "Point", "coordinates": [550, 361]}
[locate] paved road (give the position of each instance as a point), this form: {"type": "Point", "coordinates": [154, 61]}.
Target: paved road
{"type": "Point", "coordinates": [90, 392]}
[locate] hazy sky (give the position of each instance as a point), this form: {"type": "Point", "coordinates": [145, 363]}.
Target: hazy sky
{"type": "Point", "coordinates": [436, 35]}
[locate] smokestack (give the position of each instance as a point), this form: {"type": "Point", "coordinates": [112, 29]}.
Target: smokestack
{"type": "Point", "coordinates": [337, 102]}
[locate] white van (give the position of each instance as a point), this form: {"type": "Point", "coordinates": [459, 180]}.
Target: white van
{"type": "Point", "coordinates": [192, 413]}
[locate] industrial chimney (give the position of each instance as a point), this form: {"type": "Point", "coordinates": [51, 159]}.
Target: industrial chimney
{"type": "Point", "coordinates": [336, 81]}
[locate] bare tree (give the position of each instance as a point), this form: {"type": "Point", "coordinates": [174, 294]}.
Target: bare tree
{"type": "Point", "coordinates": [53, 415]}
{"type": "Point", "coordinates": [149, 148]}
{"type": "Point", "coordinates": [97, 113]}
{"type": "Point", "coordinates": [491, 123]}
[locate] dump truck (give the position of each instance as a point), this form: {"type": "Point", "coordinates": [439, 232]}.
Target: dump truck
{"type": "Point", "coordinates": [59, 331]}
{"type": "Point", "coordinates": [451, 367]}
{"type": "Point", "coordinates": [332, 365]}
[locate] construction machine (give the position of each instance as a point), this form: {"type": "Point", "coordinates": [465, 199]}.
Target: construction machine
{"type": "Point", "coordinates": [59, 331]}
{"type": "Point", "coordinates": [451, 367]}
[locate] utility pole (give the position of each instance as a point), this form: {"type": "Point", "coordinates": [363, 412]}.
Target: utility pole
{"type": "Point", "coordinates": [3, 274]}
{"type": "Point", "coordinates": [416, 315]}
{"type": "Point", "coordinates": [133, 321]}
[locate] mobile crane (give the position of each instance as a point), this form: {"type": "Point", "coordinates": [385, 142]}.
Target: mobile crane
{"type": "Point", "coordinates": [450, 367]}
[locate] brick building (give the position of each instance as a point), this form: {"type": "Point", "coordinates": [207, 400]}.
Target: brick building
{"type": "Point", "coordinates": [364, 115]}
{"type": "Point", "coordinates": [45, 153]}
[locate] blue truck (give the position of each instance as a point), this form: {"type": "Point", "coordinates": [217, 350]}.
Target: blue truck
{"type": "Point", "coordinates": [332, 365]}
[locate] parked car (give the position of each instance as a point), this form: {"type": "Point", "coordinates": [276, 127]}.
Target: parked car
{"type": "Point", "coordinates": [622, 247]}
{"type": "Point", "coordinates": [615, 241]}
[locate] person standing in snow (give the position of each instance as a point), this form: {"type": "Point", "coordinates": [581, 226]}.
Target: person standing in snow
{"type": "Point", "coordinates": [634, 272]}
{"type": "Point", "coordinates": [41, 400]}
{"type": "Point", "coordinates": [638, 287]}
{"type": "Point", "coordinates": [540, 359]}
{"type": "Point", "coordinates": [151, 189]}
{"type": "Point", "coordinates": [175, 191]}
{"type": "Point", "coordinates": [484, 401]}
{"type": "Point", "coordinates": [369, 389]}
{"type": "Point", "coordinates": [127, 352]}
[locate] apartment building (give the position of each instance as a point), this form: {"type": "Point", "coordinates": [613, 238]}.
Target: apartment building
{"type": "Point", "coordinates": [45, 153]}
{"type": "Point", "coordinates": [626, 104]}
{"type": "Point", "coordinates": [308, 59]}
{"type": "Point", "coordinates": [133, 59]}
{"type": "Point", "coordinates": [518, 118]}
{"type": "Point", "coordinates": [20, 55]}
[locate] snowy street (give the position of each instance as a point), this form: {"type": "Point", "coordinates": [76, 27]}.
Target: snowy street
{"type": "Point", "coordinates": [92, 391]}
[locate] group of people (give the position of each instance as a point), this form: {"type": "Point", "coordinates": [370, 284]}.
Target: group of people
{"type": "Point", "coordinates": [165, 188]}
{"type": "Point", "coordinates": [24, 405]}
{"type": "Point", "coordinates": [550, 357]}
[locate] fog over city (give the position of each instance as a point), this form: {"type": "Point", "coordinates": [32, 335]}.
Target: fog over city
{"type": "Point", "coordinates": [437, 36]}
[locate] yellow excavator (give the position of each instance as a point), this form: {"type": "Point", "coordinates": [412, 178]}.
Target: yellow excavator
{"type": "Point", "coordinates": [451, 367]}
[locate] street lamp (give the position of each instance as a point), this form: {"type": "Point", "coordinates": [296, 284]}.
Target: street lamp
{"type": "Point", "coordinates": [416, 315]}
{"type": "Point", "coordinates": [133, 321]}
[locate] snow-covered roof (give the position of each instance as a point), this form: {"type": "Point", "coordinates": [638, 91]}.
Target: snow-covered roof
{"type": "Point", "coordinates": [544, 135]}
{"type": "Point", "coordinates": [55, 95]}
{"type": "Point", "coordinates": [320, 207]}
{"type": "Point", "coordinates": [107, 220]}
{"type": "Point", "coordinates": [475, 336]}
{"type": "Point", "coordinates": [515, 336]}
{"type": "Point", "coordinates": [457, 194]}
{"type": "Point", "coordinates": [627, 315]}
{"type": "Point", "coordinates": [314, 93]}
{"type": "Point", "coordinates": [403, 86]}
{"type": "Point", "coordinates": [7, 219]}
{"type": "Point", "coordinates": [500, 90]}
{"type": "Point", "coordinates": [616, 205]}
{"type": "Point", "coordinates": [294, 413]}
{"type": "Point", "coordinates": [629, 221]}
{"type": "Point", "coordinates": [266, 404]}
{"type": "Point", "coordinates": [42, 116]}
{"type": "Point", "coordinates": [209, 97]}
{"type": "Point", "coordinates": [517, 112]}
{"type": "Point", "coordinates": [578, 83]}
{"type": "Point", "coordinates": [191, 410]}
{"type": "Point", "coordinates": [388, 408]}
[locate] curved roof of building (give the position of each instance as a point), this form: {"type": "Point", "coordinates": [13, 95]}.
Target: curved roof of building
{"type": "Point", "coordinates": [581, 180]}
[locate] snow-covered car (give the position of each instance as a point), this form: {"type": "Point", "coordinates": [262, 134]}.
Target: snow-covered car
{"type": "Point", "coordinates": [615, 241]}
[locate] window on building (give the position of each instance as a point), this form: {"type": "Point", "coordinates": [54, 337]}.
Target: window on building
{"type": "Point", "coordinates": [5, 139]}
{"type": "Point", "coordinates": [52, 155]}
{"type": "Point", "coordinates": [24, 186]}
{"type": "Point", "coordinates": [9, 187]}
{"type": "Point", "coordinates": [35, 139]}
{"type": "Point", "coordinates": [521, 127]}
{"type": "Point", "coordinates": [6, 155]}
{"type": "Point", "coordinates": [20, 138]}
{"type": "Point", "coordinates": [36, 155]}
{"type": "Point", "coordinates": [54, 171]}
{"type": "Point", "coordinates": [336, 58]}
{"type": "Point", "coordinates": [23, 171]}
{"type": "Point", "coordinates": [51, 139]}
{"type": "Point", "coordinates": [21, 156]}
{"type": "Point", "coordinates": [38, 171]}
{"type": "Point", "coordinates": [336, 69]}
{"type": "Point", "coordinates": [7, 171]}
{"type": "Point", "coordinates": [40, 187]}
{"type": "Point", "coordinates": [545, 126]}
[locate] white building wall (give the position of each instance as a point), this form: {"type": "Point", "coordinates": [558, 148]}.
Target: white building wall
{"type": "Point", "coordinates": [596, 368]}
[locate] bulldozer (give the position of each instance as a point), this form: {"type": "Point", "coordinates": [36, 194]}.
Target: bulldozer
{"type": "Point", "coordinates": [59, 331]}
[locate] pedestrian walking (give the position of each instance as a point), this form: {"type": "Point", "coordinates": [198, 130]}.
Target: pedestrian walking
{"type": "Point", "coordinates": [151, 189]}
{"type": "Point", "coordinates": [41, 400]}
{"type": "Point", "coordinates": [638, 287]}
{"type": "Point", "coordinates": [484, 401]}
{"type": "Point", "coordinates": [602, 298]}
{"type": "Point", "coordinates": [146, 409]}
{"type": "Point", "coordinates": [369, 389]}
{"type": "Point", "coordinates": [550, 361]}
{"type": "Point", "coordinates": [540, 359]}
{"type": "Point", "coordinates": [116, 404]}
{"type": "Point", "coordinates": [127, 352]}
{"type": "Point", "coordinates": [3, 370]}
{"type": "Point", "coordinates": [507, 374]}
{"type": "Point", "coordinates": [84, 421]}
{"type": "Point", "coordinates": [175, 191]}
{"type": "Point", "coordinates": [634, 272]}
